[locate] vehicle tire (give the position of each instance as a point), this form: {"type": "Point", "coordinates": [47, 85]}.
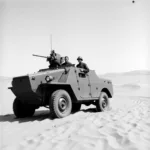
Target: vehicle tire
{"type": "Point", "coordinates": [30, 110]}
{"type": "Point", "coordinates": [22, 110]}
{"type": "Point", "coordinates": [103, 103]}
{"type": "Point", "coordinates": [76, 107]}
{"type": "Point", "coordinates": [60, 104]}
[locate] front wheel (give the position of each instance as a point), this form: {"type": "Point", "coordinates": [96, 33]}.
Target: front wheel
{"type": "Point", "coordinates": [103, 103]}
{"type": "Point", "coordinates": [60, 104]}
{"type": "Point", "coordinates": [21, 109]}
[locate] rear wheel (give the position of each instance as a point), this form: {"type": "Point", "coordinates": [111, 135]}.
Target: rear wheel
{"type": "Point", "coordinates": [60, 104]}
{"type": "Point", "coordinates": [76, 107]}
{"type": "Point", "coordinates": [103, 103]}
{"type": "Point", "coordinates": [21, 109]}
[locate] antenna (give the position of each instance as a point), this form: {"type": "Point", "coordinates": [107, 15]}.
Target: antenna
{"type": "Point", "coordinates": [51, 41]}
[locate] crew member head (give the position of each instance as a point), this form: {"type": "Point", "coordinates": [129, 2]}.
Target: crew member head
{"type": "Point", "coordinates": [66, 58]}
{"type": "Point", "coordinates": [62, 60]}
{"type": "Point", "coordinates": [79, 59]}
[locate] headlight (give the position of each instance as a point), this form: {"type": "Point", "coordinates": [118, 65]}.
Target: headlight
{"type": "Point", "coordinates": [49, 78]}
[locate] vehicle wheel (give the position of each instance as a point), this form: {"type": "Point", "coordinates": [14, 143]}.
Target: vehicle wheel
{"type": "Point", "coordinates": [30, 110]}
{"type": "Point", "coordinates": [60, 104]}
{"type": "Point", "coordinates": [22, 110]}
{"type": "Point", "coordinates": [103, 103]}
{"type": "Point", "coordinates": [76, 107]}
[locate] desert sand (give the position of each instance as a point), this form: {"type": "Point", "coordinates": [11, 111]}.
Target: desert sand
{"type": "Point", "coordinates": [126, 126]}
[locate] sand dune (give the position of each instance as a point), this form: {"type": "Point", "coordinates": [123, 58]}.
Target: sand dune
{"type": "Point", "coordinates": [137, 77]}
{"type": "Point", "coordinates": [131, 86]}
{"type": "Point", "coordinates": [126, 126]}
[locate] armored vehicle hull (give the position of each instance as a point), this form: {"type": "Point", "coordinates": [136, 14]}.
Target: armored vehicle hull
{"type": "Point", "coordinates": [63, 90]}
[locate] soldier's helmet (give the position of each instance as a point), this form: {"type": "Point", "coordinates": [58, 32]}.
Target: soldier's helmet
{"type": "Point", "coordinates": [80, 58]}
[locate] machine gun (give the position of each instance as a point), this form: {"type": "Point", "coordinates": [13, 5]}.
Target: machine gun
{"type": "Point", "coordinates": [51, 58]}
{"type": "Point", "coordinates": [40, 56]}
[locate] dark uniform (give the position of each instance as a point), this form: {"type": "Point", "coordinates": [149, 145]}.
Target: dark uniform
{"type": "Point", "coordinates": [67, 64]}
{"type": "Point", "coordinates": [54, 64]}
{"type": "Point", "coordinates": [83, 66]}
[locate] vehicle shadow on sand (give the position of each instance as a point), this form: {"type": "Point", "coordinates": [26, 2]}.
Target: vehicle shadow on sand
{"type": "Point", "coordinates": [38, 116]}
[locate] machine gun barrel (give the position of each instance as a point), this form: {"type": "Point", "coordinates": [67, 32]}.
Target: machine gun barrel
{"type": "Point", "coordinates": [39, 56]}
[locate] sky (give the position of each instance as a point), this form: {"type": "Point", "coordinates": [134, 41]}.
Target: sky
{"type": "Point", "coordinates": [110, 35]}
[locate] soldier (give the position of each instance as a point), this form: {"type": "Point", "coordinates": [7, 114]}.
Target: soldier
{"type": "Point", "coordinates": [82, 65]}
{"type": "Point", "coordinates": [67, 63]}
{"type": "Point", "coordinates": [54, 60]}
{"type": "Point", "coordinates": [62, 60]}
